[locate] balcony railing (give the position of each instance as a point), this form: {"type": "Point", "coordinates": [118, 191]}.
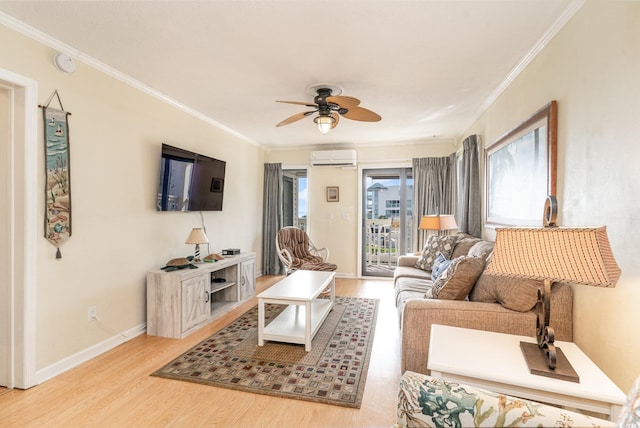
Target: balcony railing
{"type": "Point", "coordinates": [381, 242]}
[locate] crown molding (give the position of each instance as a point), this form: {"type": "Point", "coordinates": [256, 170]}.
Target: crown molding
{"type": "Point", "coordinates": [559, 23]}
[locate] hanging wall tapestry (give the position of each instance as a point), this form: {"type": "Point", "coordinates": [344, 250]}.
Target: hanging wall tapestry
{"type": "Point", "coordinates": [57, 217]}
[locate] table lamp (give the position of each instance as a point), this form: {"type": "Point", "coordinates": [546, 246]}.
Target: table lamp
{"type": "Point", "coordinates": [438, 222]}
{"type": "Point", "coordinates": [579, 256]}
{"type": "Point", "coordinates": [197, 237]}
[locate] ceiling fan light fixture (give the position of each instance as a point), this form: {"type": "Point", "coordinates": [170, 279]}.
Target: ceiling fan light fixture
{"type": "Point", "coordinates": [325, 123]}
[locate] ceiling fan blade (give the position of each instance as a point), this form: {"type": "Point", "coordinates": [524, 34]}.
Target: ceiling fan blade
{"type": "Point", "coordinates": [295, 118]}
{"type": "Point", "coordinates": [343, 101]}
{"type": "Point", "coordinates": [301, 103]}
{"type": "Point", "coordinates": [362, 114]}
{"type": "Point", "coordinates": [336, 116]}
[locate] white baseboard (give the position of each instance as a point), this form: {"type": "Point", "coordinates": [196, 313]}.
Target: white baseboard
{"type": "Point", "coordinates": [345, 275]}
{"type": "Point", "coordinates": [72, 361]}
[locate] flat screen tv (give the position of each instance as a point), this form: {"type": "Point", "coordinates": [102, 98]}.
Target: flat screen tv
{"type": "Point", "coordinates": [190, 181]}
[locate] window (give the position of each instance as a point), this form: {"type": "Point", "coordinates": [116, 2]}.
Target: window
{"type": "Point", "coordinates": [295, 208]}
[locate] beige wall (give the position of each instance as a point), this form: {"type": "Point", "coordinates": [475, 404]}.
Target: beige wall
{"type": "Point", "coordinates": [116, 132]}
{"type": "Point", "coordinates": [592, 67]}
{"type": "Point", "coordinates": [334, 225]}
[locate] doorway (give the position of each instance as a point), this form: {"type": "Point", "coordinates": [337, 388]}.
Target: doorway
{"type": "Point", "coordinates": [387, 207]}
{"type": "Point", "coordinates": [18, 224]}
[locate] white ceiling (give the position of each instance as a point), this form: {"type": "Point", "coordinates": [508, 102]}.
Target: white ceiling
{"type": "Point", "coordinates": [429, 68]}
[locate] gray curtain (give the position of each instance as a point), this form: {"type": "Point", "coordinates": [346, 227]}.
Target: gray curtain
{"type": "Point", "coordinates": [434, 190]}
{"type": "Point", "coordinates": [272, 218]}
{"type": "Point", "coordinates": [469, 212]}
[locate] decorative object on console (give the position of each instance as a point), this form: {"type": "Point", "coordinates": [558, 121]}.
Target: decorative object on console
{"type": "Point", "coordinates": [197, 237]}
{"type": "Point", "coordinates": [177, 264]}
{"type": "Point", "coordinates": [578, 255]}
{"type": "Point", "coordinates": [230, 251]}
{"type": "Point", "coordinates": [213, 258]}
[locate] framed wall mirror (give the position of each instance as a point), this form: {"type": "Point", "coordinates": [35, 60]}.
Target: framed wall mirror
{"type": "Point", "coordinates": [520, 170]}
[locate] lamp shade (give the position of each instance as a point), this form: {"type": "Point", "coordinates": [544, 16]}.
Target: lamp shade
{"type": "Point", "coordinates": [325, 123]}
{"type": "Point", "coordinates": [438, 222]}
{"type": "Point", "coordinates": [197, 236]}
{"type": "Point", "coordinates": [561, 254]}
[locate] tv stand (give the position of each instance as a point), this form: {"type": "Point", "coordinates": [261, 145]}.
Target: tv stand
{"type": "Point", "coordinates": [182, 301]}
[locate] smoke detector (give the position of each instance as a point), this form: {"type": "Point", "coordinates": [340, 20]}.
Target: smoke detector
{"type": "Point", "coordinates": [64, 63]}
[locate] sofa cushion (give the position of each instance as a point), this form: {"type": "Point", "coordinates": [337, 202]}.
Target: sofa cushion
{"type": "Point", "coordinates": [411, 272]}
{"type": "Point", "coordinates": [458, 279]}
{"type": "Point", "coordinates": [410, 288]}
{"type": "Point", "coordinates": [436, 244]}
{"type": "Point", "coordinates": [513, 293]}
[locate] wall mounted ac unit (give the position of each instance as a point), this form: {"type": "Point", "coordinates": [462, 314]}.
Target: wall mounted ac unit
{"type": "Point", "coordinates": [333, 158]}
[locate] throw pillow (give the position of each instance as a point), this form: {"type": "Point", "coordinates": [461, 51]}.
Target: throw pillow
{"type": "Point", "coordinates": [516, 294]}
{"type": "Point", "coordinates": [436, 244]}
{"type": "Point", "coordinates": [481, 249]}
{"type": "Point", "coordinates": [463, 245]}
{"type": "Point", "coordinates": [458, 279]}
{"type": "Point", "coordinates": [439, 265]}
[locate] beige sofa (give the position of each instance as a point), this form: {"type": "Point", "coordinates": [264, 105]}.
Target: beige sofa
{"type": "Point", "coordinates": [503, 305]}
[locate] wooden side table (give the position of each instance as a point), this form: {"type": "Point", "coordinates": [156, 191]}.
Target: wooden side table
{"type": "Point", "coordinates": [493, 361]}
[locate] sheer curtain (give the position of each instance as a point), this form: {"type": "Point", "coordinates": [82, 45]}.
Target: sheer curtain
{"type": "Point", "coordinates": [469, 211]}
{"type": "Point", "coordinates": [272, 218]}
{"type": "Point", "coordinates": [434, 191]}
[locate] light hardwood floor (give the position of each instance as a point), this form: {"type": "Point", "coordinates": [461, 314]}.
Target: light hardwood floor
{"type": "Point", "coordinates": [116, 390]}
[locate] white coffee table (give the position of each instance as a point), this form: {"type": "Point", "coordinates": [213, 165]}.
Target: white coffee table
{"type": "Point", "coordinates": [299, 322]}
{"type": "Point", "coordinates": [493, 361]}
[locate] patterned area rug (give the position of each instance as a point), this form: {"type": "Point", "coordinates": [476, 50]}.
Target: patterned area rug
{"type": "Point", "coordinates": [333, 372]}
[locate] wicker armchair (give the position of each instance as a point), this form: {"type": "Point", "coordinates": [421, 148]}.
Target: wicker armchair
{"type": "Point", "coordinates": [297, 252]}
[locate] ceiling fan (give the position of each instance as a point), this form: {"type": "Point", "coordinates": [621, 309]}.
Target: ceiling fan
{"type": "Point", "coordinates": [329, 108]}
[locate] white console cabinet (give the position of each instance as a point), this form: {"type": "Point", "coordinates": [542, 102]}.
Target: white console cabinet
{"type": "Point", "coordinates": [248, 279]}
{"type": "Point", "coordinates": [182, 301]}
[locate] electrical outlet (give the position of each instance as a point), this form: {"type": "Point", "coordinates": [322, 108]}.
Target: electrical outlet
{"type": "Point", "coordinates": [92, 314]}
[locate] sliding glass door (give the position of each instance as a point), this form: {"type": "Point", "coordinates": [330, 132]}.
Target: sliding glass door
{"type": "Point", "coordinates": [387, 207]}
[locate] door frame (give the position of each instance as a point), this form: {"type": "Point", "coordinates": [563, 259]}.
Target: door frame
{"type": "Point", "coordinates": [361, 218]}
{"type": "Point", "coordinates": [22, 246]}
